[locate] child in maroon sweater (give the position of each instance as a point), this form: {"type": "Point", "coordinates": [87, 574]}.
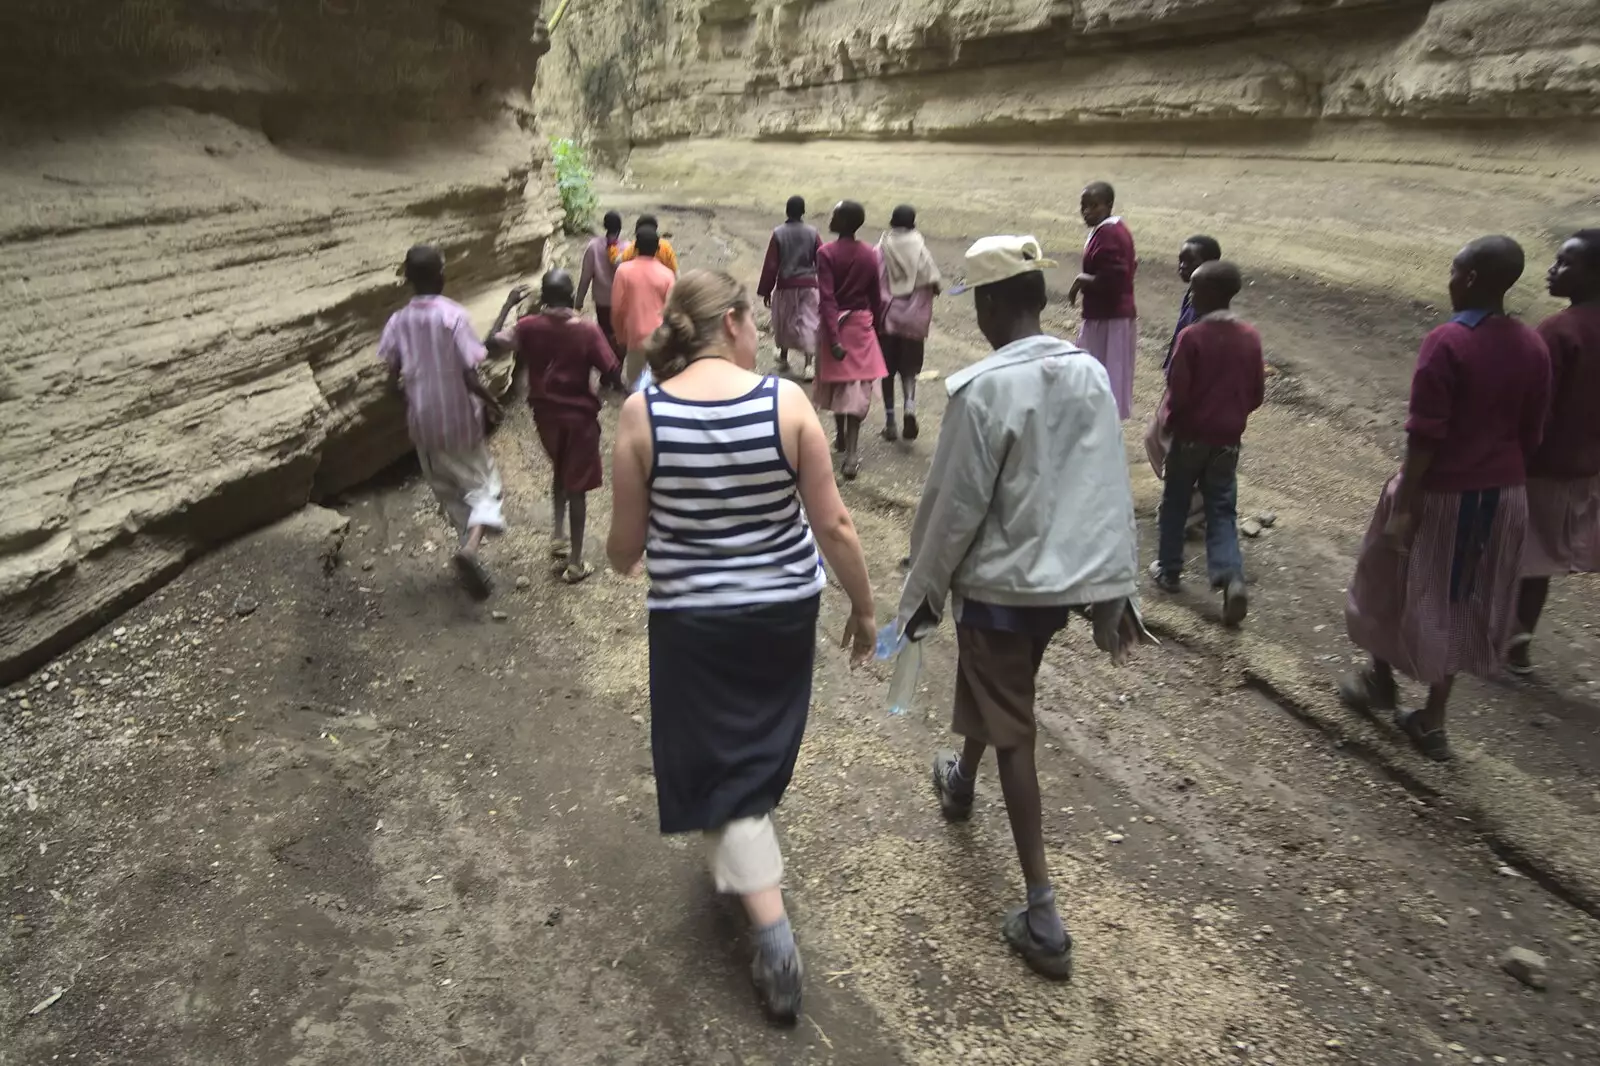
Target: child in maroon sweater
{"type": "Point", "coordinates": [1110, 329]}
{"type": "Point", "coordinates": [1435, 588]}
{"type": "Point", "coordinates": [563, 360]}
{"type": "Point", "coordinates": [1217, 378]}
{"type": "Point", "coordinates": [1564, 474]}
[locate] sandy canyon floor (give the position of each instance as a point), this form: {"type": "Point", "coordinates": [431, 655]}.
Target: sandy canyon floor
{"type": "Point", "coordinates": [310, 805]}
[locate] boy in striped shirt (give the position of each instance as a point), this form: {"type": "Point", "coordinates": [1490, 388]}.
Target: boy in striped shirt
{"type": "Point", "coordinates": [433, 356]}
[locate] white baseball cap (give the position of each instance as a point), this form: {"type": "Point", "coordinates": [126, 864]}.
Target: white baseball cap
{"type": "Point", "coordinates": [993, 259]}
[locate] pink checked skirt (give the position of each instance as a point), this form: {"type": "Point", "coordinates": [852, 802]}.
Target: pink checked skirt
{"type": "Point", "coordinates": [1563, 527]}
{"type": "Point", "coordinates": [1449, 606]}
{"type": "Point", "coordinates": [795, 317]}
{"type": "Point", "coordinates": [1115, 342]}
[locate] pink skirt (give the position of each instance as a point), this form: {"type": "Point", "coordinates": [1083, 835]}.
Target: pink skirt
{"type": "Point", "coordinates": [863, 359]}
{"type": "Point", "coordinates": [795, 318]}
{"type": "Point", "coordinates": [1563, 527]}
{"type": "Point", "coordinates": [1115, 342]}
{"type": "Point", "coordinates": [843, 397]}
{"type": "Point", "coordinates": [1449, 605]}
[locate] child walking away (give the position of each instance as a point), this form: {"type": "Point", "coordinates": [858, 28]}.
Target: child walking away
{"type": "Point", "coordinates": [599, 268]}
{"type": "Point", "coordinates": [1017, 561]}
{"type": "Point", "coordinates": [1110, 330]}
{"type": "Point", "coordinates": [717, 470]}
{"type": "Point", "coordinates": [1218, 377]}
{"type": "Point", "coordinates": [433, 356]}
{"type": "Point", "coordinates": [789, 286]}
{"type": "Point", "coordinates": [562, 361]}
{"type": "Point", "coordinates": [1564, 474]}
{"type": "Point", "coordinates": [851, 295]}
{"type": "Point", "coordinates": [663, 253]}
{"type": "Point", "coordinates": [1195, 251]}
{"type": "Point", "coordinates": [1435, 586]}
{"type": "Point", "coordinates": [911, 278]}
{"type": "Point", "coordinates": [638, 294]}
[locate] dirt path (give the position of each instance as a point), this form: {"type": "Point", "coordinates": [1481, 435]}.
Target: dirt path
{"type": "Point", "coordinates": [309, 805]}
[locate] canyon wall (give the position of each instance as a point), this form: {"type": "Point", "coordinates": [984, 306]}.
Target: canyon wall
{"type": "Point", "coordinates": [202, 207]}
{"type": "Point", "coordinates": [1270, 121]}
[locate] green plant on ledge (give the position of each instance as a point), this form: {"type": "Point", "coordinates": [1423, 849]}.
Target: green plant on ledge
{"type": "Point", "coordinates": [575, 182]}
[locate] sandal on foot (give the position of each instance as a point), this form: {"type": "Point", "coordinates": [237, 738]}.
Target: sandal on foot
{"type": "Point", "coordinates": [1361, 691]}
{"type": "Point", "coordinates": [473, 576]}
{"type": "Point", "coordinates": [1042, 960]}
{"type": "Point", "coordinates": [576, 575]}
{"type": "Point", "coordinates": [1518, 661]}
{"type": "Point", "coordinates": [1432, 743]}
{"type": "Point", "coordinates": [851, 470]}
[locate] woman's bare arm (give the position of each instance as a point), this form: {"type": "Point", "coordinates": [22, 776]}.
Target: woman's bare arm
{"type": "Point", "coordinates": [830, 519]}
{"type": "Point", "coordinates": [630, 487]}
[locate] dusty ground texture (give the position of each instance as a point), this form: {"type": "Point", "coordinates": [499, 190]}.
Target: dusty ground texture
{"type": "Point", "coordinates": [310, 805]}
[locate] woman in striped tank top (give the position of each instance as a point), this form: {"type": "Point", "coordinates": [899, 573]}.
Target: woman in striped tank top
{"type": "Point", "coordinates": [715, 475]}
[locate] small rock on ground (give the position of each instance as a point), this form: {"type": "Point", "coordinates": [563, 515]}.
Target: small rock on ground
{"type": "Point", "coordinates": [1526, 966]}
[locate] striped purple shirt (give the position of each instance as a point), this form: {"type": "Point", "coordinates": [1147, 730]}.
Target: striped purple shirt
{"type": "Point", "coordinates": [431, 343]}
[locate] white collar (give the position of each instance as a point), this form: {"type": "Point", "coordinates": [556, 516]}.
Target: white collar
{"type": "Point", "coordinates": [1096, 228]}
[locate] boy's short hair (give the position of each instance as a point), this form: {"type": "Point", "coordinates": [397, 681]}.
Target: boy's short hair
{"type": "Point", "coordinates": [1209, 248]}
{"type": "Point", "coordinates": [647, 241]}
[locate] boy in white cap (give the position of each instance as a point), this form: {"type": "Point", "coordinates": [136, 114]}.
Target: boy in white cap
{"type": "Point", "coordinates": [1017, 561]}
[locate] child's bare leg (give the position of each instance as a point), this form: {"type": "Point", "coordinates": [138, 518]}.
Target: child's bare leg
{"type": "Point", "coordinates": [578, 504]}
{"type": "Point", "coordinates": [852, 446]}
{"type": "Point", "coordinates": [1432, 715]}
{"type": "Point", "coordinates": [1019, 784]}
{"type": "Point", "coordinates": [474, 540]}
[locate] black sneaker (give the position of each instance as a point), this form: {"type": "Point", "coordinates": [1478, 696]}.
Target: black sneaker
{"type": "Point", "coordinates": [911, 430]}
{"type": "Point", "coordinates": [779, 987]}
{"type": "Point", "coordinates": [1235, 601]}
{"type": "Point", "coordinates": [1042, 960]}
{"type": "Point", "coordinates": [955, 801]}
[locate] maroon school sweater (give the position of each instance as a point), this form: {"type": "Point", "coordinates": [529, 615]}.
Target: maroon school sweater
{"type": "Point", "coordinates": [1218, 377]}
{"type": "Point", "coordinates": [1109, 257]}
{"type": "Point", "coordinates": [1571, 447]}
{"type": "Point", "coordinates": [1479, 395]}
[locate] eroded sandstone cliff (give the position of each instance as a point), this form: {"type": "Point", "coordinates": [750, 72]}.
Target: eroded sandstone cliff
{"type": "Point", "coordinates": [203, 205]}
{"type": "Point", "coordinates": [650, 70]}
{"type": "Point", "coordinates": [1357, 142]}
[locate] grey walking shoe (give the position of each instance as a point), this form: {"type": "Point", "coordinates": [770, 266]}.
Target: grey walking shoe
{"type": "Point", "coordinates": [1235, 601]}
{"type": "Point", "coordinates": [954, 800]}
{"type": "Point", "coordinates": [1042, 960]}
{"type": "Point", "coordinates": [778, 985]}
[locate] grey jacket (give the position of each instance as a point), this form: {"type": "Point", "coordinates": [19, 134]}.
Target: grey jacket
{"type": "Point", "coordinates": [1028, 501]}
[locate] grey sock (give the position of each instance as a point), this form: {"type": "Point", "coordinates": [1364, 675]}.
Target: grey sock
{"type": "Point", "coordinates": [776, 942]}
{"type": "Point", "coordinates": [1044, 922]}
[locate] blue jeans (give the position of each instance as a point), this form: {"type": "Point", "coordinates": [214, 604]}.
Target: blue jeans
{"type": "Point", "coordinates": [1216, 472]}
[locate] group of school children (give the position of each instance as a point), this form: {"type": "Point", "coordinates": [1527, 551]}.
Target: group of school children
{"type": "Point", "coordinates": [1499, 489]}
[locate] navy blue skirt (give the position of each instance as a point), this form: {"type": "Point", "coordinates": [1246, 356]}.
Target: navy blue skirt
{"type": "Point", "coordinates": [730, 690]}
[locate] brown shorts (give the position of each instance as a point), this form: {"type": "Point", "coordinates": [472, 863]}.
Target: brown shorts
{"type": "Point", "coordinates": [995, 675]}
{"type": "Point", "coordinates": [573, 445]}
